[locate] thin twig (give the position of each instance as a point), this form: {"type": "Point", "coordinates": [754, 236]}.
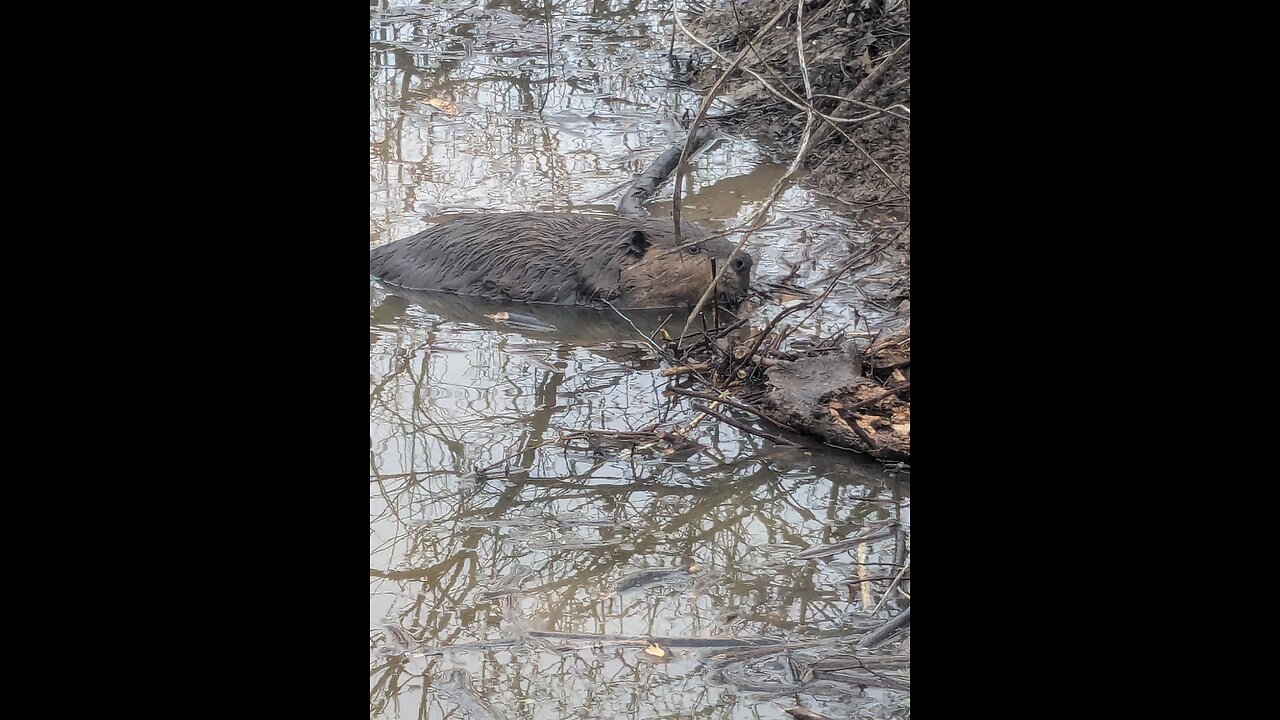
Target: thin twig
{"type": "Point", "coordinates": [729, 421]}
{"type": "Point", "coordinates": [858, 94]}
{"type": "Point", "coordinates": [864, 88]}
{"type": "Point", "coordinates": [877, 398]}
{"type": "Point", "coordinates": [652, 344]}
{"type": "Point", "coordinates": [805, 145]}
{"type": "Point", "coordinates": [893, 585]}
{"type": "Point", "coordinates": [707, 98]}
{"type": "Point", "coordinates": [836, 547]}
{"type": "Point", "coordinates": [715, 398]}
{"type": "Point", "coordinates": [813, 302]}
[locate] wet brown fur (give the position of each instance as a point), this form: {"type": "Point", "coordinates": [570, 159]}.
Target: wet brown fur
{"type": "Point", "coordinates": [562, 259]}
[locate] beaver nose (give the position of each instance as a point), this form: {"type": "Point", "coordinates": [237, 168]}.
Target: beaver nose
{"type": "Point", "coordinates": [742, 263]}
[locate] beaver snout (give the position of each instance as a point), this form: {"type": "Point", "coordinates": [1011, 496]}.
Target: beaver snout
{"type": "Point", "coordinates": [741, 266]}
{"type": "Point", "coordinates": [735, 284]}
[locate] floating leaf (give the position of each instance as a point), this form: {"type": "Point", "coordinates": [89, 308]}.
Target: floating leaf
{"type": "Point", "coordinates": [445, 106]}
{"type": "Point", "coordinates": [398, 640]}
{"type": "Point", "coordinates": [524, 321]}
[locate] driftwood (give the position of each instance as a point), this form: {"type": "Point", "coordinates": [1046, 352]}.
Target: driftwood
{"type": "Point", "coordinates": [833, 548]}
{"type": "Point", "coordinates": [400, 645]}
{"type": "Point", "coordinates": [647, 184]}
{"type": "Point", "coordinates": [868, 662]}
{"type": "Point", "coordinates": [737, 678]}
{"type": "Point", "coordinates": [862, 680]}
{"type": "Point", "coordinates": [719, 642]}
{"type": "Point", "coordinates": [819, 395]}
{"type": "Point", "coordinates": [833, 395]}
{"type": "Point", "coordinates": [879, 635]}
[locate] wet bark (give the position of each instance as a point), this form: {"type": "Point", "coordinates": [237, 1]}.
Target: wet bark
{"type": "Point", "coordinates": [655, 176]}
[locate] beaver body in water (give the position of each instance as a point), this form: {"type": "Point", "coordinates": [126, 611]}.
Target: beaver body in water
{"type": "Point", "coordinates": [565, 260]}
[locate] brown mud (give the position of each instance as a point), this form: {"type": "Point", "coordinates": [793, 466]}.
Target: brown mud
{"type": "Point", "coordinates": [858, 62]}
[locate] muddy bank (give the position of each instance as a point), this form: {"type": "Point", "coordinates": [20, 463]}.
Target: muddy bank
{"type": "Point", "coordinates": [858, 66]}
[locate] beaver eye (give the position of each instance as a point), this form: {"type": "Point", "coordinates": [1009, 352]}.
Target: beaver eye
{"type": "Point", "coordinates": [693, 249]}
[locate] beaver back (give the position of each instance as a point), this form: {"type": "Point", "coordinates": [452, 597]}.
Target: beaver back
{"type": "Point", "coordinates": [552, 258]}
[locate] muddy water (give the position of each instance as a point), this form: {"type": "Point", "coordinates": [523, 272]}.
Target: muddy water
{"type": "Point", "coordinates": [505, 106]}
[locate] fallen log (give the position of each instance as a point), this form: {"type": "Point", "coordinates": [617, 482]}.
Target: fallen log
{"type": "Point", "coordinates": [655, 176]}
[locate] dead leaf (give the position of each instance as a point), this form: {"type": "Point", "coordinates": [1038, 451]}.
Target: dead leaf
{"type": "Point", "coordinates": [445, 106]}
{"type": "Point", "coordinates": [499, 316]}
{"type": "Point", "coordinates": [835, 416]}
{"type": "Point", "coordinates": [655, 650]}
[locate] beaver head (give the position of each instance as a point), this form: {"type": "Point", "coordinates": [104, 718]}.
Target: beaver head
{"type": "Point", "coordinates": [658, 272]}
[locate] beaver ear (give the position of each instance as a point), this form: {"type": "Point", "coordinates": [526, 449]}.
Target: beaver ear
{"type": "Point", "coordinates": [637, 242]}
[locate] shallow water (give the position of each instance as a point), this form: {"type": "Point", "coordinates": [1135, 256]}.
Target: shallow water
{"type": "Point", "coordinates": [556, 126]}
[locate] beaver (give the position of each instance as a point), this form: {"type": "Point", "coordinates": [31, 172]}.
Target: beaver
{"type": "Point", "coordinates": [564, 260]}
